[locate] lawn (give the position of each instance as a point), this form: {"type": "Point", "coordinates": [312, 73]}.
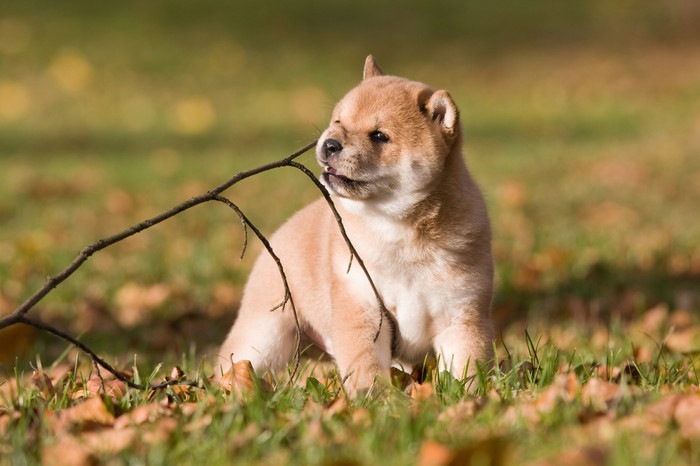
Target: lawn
{"type": "Point", "coordinates": [582, 126]}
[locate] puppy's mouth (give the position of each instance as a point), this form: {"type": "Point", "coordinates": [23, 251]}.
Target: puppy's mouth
{"type": "Point", "coordinates": [331, 175]}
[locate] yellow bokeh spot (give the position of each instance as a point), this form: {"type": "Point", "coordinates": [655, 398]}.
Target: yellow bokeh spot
{"type": "Point", "coordinates": [14, 100]}
{"type": "Point", "coordinates": [71, 71]}
{"type": "Point", "coordinates": [194, 116]}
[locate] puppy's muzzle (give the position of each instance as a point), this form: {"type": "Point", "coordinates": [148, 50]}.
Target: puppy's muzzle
{"type": "Point", "coordinates": [330, 147]}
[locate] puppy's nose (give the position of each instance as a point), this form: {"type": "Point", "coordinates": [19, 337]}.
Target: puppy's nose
{"type": "Point", "coordinates": [331, 146]}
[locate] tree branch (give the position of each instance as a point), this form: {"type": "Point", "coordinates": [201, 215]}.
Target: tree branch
{"type": "Point", "coordinates": [19, 315]}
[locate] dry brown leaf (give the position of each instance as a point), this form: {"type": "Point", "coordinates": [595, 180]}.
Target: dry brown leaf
{"type": "Point", "coordinates": [361, 416]}
{"type": "Point", "coordinates": [653, 320]}
{"type": "Point", "coordinates": [60, 374]}
{"type": "Point", "coordinates": [43, 382]}
{"type": "Point", "coordinates": [600, 394]}
{"type": "Point", "coordinates": [8, 391]}
{"type": "Point", "coordinates": [109, 441]}
{"type": "Point", "coordinates": [686, 340]}
{"type": "Point", "coordinates": [202, 422]}
{"type": "Point", "coordinates": [67, 451]}
{"type": "Point", "coordinates": [656, 418]}
{"type": "Point", "coordinates": [96, 386]}
{"type": "Point", "coordinates": [160, 432]}
{"type": "Point", "coordinates": [422, 391]}
{"type": "Point", "coordinates": [4, 423]}
{"type": "Point", "coordinates": [606, 372]}
{"type": "Point", "coordinates": [239, 379]}
{"type": "Point", "coordinates": [525, 411]}
{"type": "Point", "coordinates": [687, 415]}
{"type": "Point", "coordinates": [459, 414]}
{"type": "Point", "coordinates": [643, 354]}
{"type": "Point", "coordinates": [91, 413]}
{"type": "Point", "coordinates": [681, 319]}
{"type": "Point", "coordinates": [564, 388]}
{"type": "Point", "coordinates": [140, 415]}
{"type": "Point", "coordinates": [432, 453]}
{"type": "Point", "coordinates": [337, 405]}
{"type": "Point", "coordinates": [664, 409]}
{"type": "Point", "coordinates": [185, 394]}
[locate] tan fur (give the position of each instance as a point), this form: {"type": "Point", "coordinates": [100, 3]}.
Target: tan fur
{"type": "Point", "coordinates": [417, 219]}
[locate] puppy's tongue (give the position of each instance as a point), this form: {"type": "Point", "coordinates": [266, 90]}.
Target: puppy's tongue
{"type": "Point", "coordinates": [331, 170]}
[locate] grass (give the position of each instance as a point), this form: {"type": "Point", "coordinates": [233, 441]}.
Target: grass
{"type": "Point", "coordinates": [587, 153]}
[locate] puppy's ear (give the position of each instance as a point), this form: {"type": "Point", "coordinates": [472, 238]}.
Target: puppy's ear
{"type": "Point", "coordinates": [442, 109]}
{"type": "Point", "coordinates": [372, 69]}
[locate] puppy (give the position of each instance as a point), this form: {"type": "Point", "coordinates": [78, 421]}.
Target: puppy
{"type": "Point", "coordinates": [392, 161]}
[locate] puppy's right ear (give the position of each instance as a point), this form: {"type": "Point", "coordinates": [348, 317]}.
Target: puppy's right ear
{"type": "Point", "coordinates": [372, 69]}
{"type": "Point", "coordinates": [442, 109]}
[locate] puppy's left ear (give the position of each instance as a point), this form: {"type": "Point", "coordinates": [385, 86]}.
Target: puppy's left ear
{"type": "Point", "coordinates": [372, 69]}
{"type": "Point", "coordinates": [442, 109]}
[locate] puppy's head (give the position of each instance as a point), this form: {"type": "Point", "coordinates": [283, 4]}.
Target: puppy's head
{"type": "Point", "coordinates": [387, 141]}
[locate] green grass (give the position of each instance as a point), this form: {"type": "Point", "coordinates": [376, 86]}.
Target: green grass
{"type": "Point", "coordinates": [581, 126]}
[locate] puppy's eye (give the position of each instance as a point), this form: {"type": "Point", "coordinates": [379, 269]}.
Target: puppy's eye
{"type": "Point", "coordinates": [378, 136]}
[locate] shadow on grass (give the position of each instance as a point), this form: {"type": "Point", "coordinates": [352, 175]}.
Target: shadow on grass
{"type": "Point", "coordinates": [607, 292]}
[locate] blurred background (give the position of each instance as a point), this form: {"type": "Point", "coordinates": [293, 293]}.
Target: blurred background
{"type": "Point", "coordinates": [582, 124]}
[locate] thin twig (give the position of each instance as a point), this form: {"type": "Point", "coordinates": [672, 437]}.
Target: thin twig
{"type": "Point", "coordinates": [287, 291]}
{"type": "Point", "coordinates": [85, 254]}
{"type": "Point", "coordinates": [18, 316]}
{"type": "Point", "coordinates": [351, 247]}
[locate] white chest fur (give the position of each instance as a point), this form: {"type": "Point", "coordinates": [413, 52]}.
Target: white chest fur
{"type": "Point", "coordinates": [415, 283]}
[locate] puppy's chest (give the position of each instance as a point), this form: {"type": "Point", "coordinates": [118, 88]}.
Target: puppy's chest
{"type": "Point", "coordinates": [420, 296]}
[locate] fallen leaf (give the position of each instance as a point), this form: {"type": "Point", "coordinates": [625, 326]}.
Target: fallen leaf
{"type": "Point", "coordinates": [109, 441]}
{"type": "Point", "coordinates": [459, 414]}
{"type": "Point", "coordinates": [337, 405]}
{"type": "Point", "coordinates": [96, 386]}
{"type": "Point", "coordinates": [685, 340]}
{"type": "Point", "coordinates": [432, 453]}
{"type": "Point", "coordinates": [43, 382]}
{"type": "Point", "coordinates": [600, 394]}
{"type": "Point", "coordinates": [653, 320]}
{"type": "Point", "coordinates": [161, 431]}
{"type": "Point", "coordinates": [67, 451]}
{"type": "Point", "coordinates": [655, 419]}
{"type": "Point", "coordinates": [239, 379]}
{"type": "Point", "coordinates": [563, 389]}
{"type": "Point", "coordinates": [200, 423]}
{"type": "Point", "coordinates": [687, 415]}
{"type": "Point", "coordinates": [681, 319]}
{"type": "Point", "coordinates": [422, 391]}
{"type": "Point", "coordinates": [140, 415]}
{"type": "Point", "coordinates": [361, 416]}
{"type": "Point", "coordinates": [4, 423]}
{"type": "Point", "coordinates": [91, 413]}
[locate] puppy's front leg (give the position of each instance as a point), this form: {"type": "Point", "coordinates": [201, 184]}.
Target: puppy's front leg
{"type": "Point", "coordinates": [463, 345]}
{"type": "Point", "coordinates": [362, 357]}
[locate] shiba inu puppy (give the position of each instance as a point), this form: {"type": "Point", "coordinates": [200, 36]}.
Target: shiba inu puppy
{"type": "Point", "coordinates": [392, 160]}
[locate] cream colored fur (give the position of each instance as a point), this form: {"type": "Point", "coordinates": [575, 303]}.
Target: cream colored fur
{"type": "Point", "coordinates": [417, 219]}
